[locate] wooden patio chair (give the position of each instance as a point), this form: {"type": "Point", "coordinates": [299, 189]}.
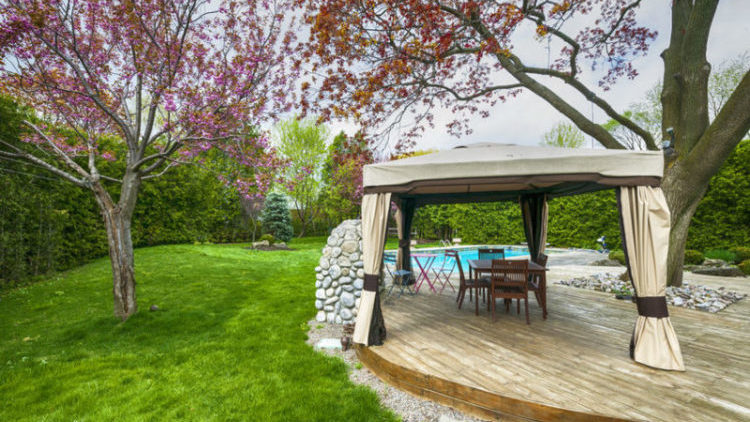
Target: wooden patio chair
{"type": "Point", "coordinates": [510, 280]}
{"type": "Point", "coordinates": [491, 253]}
{"type": "Point", "coordinates": [467, 284]}
{"type": "Point", "coordinates": [537, 285]}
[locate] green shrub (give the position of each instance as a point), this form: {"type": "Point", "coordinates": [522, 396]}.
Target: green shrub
{"type": "Point", "coordinates": [269, 237]}
{"type": "Point", "coordinates": [741, 253]}
{"type": "Point", "coordinates": [721, 254]}
{"type": "Point", "coordinates": [745, 266]}
{"type": "Point", "coordinates": [276, 217]}
{"type": "Point", "coordinates": [693, 257]}
{"type": "Point", "coordinates": [618, 256]}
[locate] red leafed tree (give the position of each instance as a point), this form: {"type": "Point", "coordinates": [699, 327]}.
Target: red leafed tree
{"type": "Point", "coordinates": [168, 79]}
{"type": "Point", "coordinates": [389, 58]}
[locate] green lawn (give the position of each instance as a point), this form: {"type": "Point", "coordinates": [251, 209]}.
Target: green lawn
{"type": "Point", "coordinates": [228, 344]}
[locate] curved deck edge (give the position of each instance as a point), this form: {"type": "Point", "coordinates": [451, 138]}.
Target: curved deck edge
{"type": "Point", "coordinates": [471, 400]}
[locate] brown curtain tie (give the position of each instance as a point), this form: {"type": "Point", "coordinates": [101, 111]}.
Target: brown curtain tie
{"type": "Point", "coordinates": [371, 283]}
{"type": "Point", "coordinates": [652, 306]}
{"type": "Point", "coordinates": [404, 243]}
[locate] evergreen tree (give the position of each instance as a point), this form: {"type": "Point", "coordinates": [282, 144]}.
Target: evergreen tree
{"type": "Point", "coordinates": [276, 218]}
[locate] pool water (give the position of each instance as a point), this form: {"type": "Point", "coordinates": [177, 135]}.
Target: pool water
{"type": "Point", "coordinates": [464, 254]}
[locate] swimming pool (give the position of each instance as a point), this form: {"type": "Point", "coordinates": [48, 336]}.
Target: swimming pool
{"type": "Point", "coordinates": [464, 254]}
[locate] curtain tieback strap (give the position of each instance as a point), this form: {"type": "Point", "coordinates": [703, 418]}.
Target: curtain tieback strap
{"type": "Point", "coordinates": [652, 306]}
{"type": "Point", "coordinates": [404, 243]}
{"type": "Point", "coordinates": [371, 283]}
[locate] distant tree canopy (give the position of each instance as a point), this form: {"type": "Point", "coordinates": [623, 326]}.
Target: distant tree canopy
{"type": "Point", "coordinates": [302, 144]}
{"type": "Point", "coordinates": [564, 135]}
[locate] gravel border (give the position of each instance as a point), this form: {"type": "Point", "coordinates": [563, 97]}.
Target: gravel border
{"type": "Point", "coordinates": [410, 408]}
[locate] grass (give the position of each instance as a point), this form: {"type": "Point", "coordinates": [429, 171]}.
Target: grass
{"type": "Point", "coordinates": [723, 254]}
{"type": "Point", "coordinates": [227, 344]}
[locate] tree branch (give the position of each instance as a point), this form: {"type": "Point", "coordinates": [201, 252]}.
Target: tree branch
{"type": "Point", "coordinates": [41, 163]}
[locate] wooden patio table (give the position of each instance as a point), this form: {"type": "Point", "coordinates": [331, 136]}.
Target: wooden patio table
{"type": "Point", "coordinates": [480, 266]}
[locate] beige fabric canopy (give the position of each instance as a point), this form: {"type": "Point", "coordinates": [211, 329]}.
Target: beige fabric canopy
{"type": "Point", "coordinates": [499, 167]}
{"type": "Point", "coordinates": [529, 175]}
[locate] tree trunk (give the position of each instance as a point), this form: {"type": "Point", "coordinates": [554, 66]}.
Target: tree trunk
{"type": "Point", "coordinates": [117, 220]}
{"type": "Point", "coordinates": [683, 194]}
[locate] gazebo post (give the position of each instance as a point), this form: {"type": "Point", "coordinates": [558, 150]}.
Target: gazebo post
{"type": "Point", "coordinates": [534, 212]}
{"type": "Point", "coordinates": [406, 207]}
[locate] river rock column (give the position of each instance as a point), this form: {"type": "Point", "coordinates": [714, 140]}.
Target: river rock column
{"type": "Point", "coordinates": [340, 275]}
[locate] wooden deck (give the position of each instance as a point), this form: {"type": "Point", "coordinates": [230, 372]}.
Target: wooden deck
{"type": "Point", "coordinates": [573, 366]}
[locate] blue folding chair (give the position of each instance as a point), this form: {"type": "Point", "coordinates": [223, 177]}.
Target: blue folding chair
{"type": "Point", "coordinates": [401, 278]}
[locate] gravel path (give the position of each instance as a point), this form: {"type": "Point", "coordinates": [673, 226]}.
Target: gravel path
{"type": "Point", "coordinates": [410, 408]}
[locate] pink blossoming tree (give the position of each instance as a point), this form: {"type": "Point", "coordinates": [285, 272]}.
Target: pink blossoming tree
{"type": "Point", "coordinates": [169, 79]}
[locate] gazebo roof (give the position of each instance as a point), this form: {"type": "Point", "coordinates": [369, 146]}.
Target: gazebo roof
{"type": "Point", "coordinates": [491, 172]}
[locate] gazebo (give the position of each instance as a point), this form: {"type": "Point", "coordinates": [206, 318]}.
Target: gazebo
{"type": "Point", "coordinates": [530, 175]}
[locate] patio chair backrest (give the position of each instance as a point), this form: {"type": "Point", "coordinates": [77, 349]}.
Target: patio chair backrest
{"type": "Point", "coordinates": [491, 253]}
{"type": "Point", "coordinates": [506, 273]}
{"type": "Point", "coordinates": [450, 253]}
{"type": "Point", "coordinates": [389, 258]}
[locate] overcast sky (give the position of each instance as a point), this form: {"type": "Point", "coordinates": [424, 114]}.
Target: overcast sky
{"type": "Point", "coordinates": [524, 119]}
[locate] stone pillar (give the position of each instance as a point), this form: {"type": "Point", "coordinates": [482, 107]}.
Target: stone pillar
{"type": "Point", "coordinates": [340, 275]}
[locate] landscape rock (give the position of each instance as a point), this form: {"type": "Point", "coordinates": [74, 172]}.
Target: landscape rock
{"type": "Point", "coordinates": [339, 275]}
{"type": "Point", "coordinates": [708, 262]}
{"type": "Point", "coordinates": [691, 296]}
{"type": "Point", "coordinates": [606, 263]}
{"type": "Point", "coordinates": [347, 299]}
{"type": "Point", "coordinates": [346, 314]}
{"type": "Point", "coordinates": [261, 243]}
{"type": "Point", "coordinates": [349, 246]}
{"type": "Point", "coordinates": [726, 271]}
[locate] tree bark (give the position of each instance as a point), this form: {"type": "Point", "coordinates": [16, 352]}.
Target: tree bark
{"type": "Point", "coordinates": [683, 196]}
{"type": "Point", "coordinates": [117, 220]}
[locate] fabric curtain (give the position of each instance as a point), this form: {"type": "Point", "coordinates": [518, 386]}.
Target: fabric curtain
{"type": "Point", "coordinates": [534, 210]}
{"type": "Point", "coordinates": [404, 218]}
{"type": "Point", "coordinates": [370, 327]}
{"type": "Point", "coordinates": [645, 222]}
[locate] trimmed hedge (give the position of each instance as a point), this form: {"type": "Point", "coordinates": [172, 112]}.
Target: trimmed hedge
{"type": "Point", "coordinates": [745, 266]}
{"type": "Point", "coordinates": [50, 225]}
{"type": "Point", "coordinates": [741, 254]}
{"type": "Point", "coordinates": [693, 257]}
{"type": "Point", "coordinates": [618, 256]}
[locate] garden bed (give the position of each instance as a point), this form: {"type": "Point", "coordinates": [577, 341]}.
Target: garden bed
{"type": "Point", "coordinates": [691, 296]}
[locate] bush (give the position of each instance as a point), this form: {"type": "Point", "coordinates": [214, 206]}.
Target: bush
{"type": "Point", "coordinates": [276, 218]}
{"type": "Point", "coordinates": [693, 257]}
{"type": "Point", "coordinates": [721, 254]}
{"type": "Point", "coordinates": [741, 253]}
{"type": "Point", "coordinates": [618, 256]}
{"type": "Point", "coordinates": [745, 266]}
{"type": "Point", "coordinates": [268, 237]}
